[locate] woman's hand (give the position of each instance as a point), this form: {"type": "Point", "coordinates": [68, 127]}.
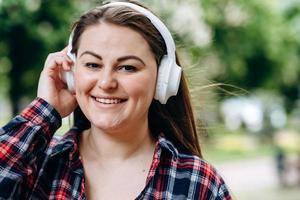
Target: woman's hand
{"type": "Point", "coordinates": [51, 87]}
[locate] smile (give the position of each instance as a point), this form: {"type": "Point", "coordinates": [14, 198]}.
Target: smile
{"type": "Point", "coordinates": [109, 100]}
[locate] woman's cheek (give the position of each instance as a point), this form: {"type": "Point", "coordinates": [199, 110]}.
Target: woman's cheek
{"type": "Point", "coordinates": [83, 81]}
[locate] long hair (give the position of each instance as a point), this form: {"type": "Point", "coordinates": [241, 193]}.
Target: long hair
{"type": "Point", "coordinates": [174, 119]}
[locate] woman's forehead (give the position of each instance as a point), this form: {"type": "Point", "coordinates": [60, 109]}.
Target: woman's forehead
{"type": "Point", "coordinates": [106, 36]}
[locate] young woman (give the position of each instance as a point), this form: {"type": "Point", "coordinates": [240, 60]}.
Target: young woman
{"type": "Point", "coordinates": [129, 139]}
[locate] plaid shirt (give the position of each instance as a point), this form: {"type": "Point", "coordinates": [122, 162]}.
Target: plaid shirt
{"type": "Point", "coordinates": [36, 165]}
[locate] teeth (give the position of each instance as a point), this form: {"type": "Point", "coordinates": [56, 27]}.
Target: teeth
{"type": "Point", "coordinates": [108, 101]}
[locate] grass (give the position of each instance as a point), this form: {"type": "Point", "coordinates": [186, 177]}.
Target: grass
{"type": "Point", "coordinates": [234, 145]}
{"type": "Point", "coordinates": [216, 154]}
{"type": "Point", "coordinates": [289, 193]}
{"type": "Point", "coordinates": [65, 126]}
{"type": "Point", "coordinates": [4, 121]}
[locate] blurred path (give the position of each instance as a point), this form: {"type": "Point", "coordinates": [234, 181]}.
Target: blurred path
{"type": "Point", "coordinates": [255, 179]}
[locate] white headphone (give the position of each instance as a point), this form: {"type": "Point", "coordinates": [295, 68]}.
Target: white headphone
{"type": "Point", "coordinates": [169, 72]}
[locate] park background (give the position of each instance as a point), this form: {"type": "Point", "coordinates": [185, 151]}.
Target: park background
{"type": "Point", "coordinates": [242, 59]}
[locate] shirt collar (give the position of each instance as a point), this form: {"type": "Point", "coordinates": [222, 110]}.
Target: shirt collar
{"type": "Point", "coordinates": [167, 146]}
{"type": "Point", "coordinates": [69, 144]}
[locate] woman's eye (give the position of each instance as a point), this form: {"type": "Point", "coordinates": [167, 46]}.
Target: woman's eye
{"type": "Point", "coordinates": [128, 68]}
{"type": "Point", "coordinates": [92, 65]}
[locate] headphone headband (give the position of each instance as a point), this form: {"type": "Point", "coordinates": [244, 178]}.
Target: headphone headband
{"type": "Point", "coordinates": [159, 25]}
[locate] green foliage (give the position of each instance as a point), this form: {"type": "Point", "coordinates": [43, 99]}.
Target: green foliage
{"type": "Point", "coordinates": [257, 44]}
{"type": "Point", "coordinates": [253, 44]}
{"type": "Point", "coordinates": [30, 29]}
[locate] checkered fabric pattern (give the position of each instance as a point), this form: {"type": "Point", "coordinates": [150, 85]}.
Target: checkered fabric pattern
{"type": "Point", "coordinates": [36, 165]}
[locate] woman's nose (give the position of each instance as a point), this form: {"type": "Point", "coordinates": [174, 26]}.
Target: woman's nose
{"type": "Point", "coordinates": [107, 81]}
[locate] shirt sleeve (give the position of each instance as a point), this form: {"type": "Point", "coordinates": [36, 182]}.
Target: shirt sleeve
{"type": "Point", "coordinates": [223, 193]}
{"type": "Point", "coordinates": [23, 144]}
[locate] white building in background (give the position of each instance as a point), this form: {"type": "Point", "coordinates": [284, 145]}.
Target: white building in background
{"type": "Point", "coordinates": [253, 113]}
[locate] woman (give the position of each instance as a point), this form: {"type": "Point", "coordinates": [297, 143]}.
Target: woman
{"type": "Point", "coordinates": [129, 141]}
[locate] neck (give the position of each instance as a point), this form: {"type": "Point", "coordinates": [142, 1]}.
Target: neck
{"type": "Point", "coordinates": [117, 146]}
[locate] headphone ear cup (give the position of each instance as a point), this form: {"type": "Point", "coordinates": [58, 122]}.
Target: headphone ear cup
{"type": "Point", "coordinates": [161, 79]}
{"type": "Point", "coordinates": [168, 80]}
{"type": "Point", "coordinates": [68, 78]}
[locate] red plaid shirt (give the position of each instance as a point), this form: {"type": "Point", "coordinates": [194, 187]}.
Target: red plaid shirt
{"type": "Point", "coordinates": [36, 165]}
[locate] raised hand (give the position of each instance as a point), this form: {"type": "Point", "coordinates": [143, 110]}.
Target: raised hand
{"type": "Point", "coordinates": [51, 87]}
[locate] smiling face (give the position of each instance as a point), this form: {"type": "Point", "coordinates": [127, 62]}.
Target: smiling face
{"type": "Point", "coordinates": [115, 76]}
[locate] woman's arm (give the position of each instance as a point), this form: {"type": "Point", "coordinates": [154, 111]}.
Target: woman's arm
{"type": "Point", "coordinates": [23, 144]}
{"type": "Point", "coordinates": [24, 140]}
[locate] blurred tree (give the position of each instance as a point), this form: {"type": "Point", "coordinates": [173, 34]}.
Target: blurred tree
{"type": "Point", "coordinates": [30, 29]}
{"type": "Point", "coordinates": [252, 45]}
{"type": "Point", "coordinates": [256, 44]}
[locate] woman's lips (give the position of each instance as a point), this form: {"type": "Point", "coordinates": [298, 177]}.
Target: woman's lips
{"type": "Point", "coordinates": [109, 100]}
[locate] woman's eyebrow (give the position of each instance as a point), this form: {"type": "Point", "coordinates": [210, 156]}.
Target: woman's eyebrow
{"type": "Point", "coordinates": [130, 57]}
{"type": "Point", "coordinates": [123, 58]}
{"type": "Point", "coordinates": [91, 53]}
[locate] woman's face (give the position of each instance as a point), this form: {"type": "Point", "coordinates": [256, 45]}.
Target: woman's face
{"type": "Point", "coordinates": [115, 76]}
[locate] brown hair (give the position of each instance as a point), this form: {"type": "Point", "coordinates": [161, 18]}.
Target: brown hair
{"type": "Point", "coordinates": [174, 119]}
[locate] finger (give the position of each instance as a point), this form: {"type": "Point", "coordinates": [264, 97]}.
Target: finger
{"type": "Point", "coordinates": [55, 60]}
{"type": "Point", "coordinates": [67, 62]}
{"type": "Point", "coordinates": [65, 53]}
{"type": "Point", "coordinates": [59, 61]}
{"type": "Point", "coordinates": [66, 65]}
{"type": "Point", "coordinates": [69, 59]}
{"type": "Point", "coordinates": [65, 50]}
{"type": "Point", "coordinates": [62, 84]}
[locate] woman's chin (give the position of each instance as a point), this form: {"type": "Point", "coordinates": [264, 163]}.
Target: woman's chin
{"type": "Point", "coordinates": [108, 126]}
